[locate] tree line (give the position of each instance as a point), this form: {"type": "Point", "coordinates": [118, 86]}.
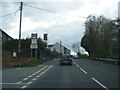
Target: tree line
{"type": "Point", "coordinates": [100, 38]}
{"type": "Point", "coordinates": [12, 46]}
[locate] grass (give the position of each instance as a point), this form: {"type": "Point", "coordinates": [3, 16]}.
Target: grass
{"type": "Point", "coordinates": [32, 63]}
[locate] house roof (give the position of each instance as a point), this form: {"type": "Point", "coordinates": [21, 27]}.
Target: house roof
{"type": "Point", "coordinates": [55, 44]}
{"type": "Point", "coordinates": [5, 33]}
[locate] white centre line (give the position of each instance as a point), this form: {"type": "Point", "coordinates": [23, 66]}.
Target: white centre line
{"type": "Point", "coordinates": [77, 65]}
{"type": "Point", "coordinates": [100, 84]}
{"type": "Point", "coordinates": [80, 68]}
{"type": "Point", "coordinates": [83, 70]}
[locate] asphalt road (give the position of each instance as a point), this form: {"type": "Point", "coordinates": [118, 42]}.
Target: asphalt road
{"type": "Point", "coordinates": [83, 73]}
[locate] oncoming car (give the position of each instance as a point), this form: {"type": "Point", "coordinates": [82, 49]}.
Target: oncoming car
{"type": "Point", "coordinates": [66, 60]}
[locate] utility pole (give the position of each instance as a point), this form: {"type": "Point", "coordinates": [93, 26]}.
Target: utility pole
{"type": "Point", "coordinates": [21, 7]}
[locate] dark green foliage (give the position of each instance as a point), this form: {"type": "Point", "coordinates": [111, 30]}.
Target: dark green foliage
{"type": "Point", "coordinates": [42, 51]}
{"type": "Point", "coordinates": [82, 55]}
{"type": "Point", "coordinates": [10, 45]}
{"type": "Point", "coordinates": [100, 39]}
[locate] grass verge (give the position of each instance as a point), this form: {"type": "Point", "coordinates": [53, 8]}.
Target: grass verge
{"type": "Point", "coordinates": [32, 63]}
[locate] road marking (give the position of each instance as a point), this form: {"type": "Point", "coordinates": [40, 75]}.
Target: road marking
{"type": "Point", "coordinates": [42, 69]}
{"type": "Point", "coordinates": [19, 82]}
{"type": "Point", "coordinates": [46, 70]}
{"type": "Point", "coordinates": [34, 79]}
{"type": "Point", "coordinates": [36, 72]}
{"type": "Point", "coordinates": [30, 76]}
{"type": "Point", "coordinates": [24, 86]}
{"type": "Point", "coordinates": [74, 62]}
{"type": "Point", "coordinates": [33, 74]}
{"type": "Point", "coordinates": [42, 73]}
{"type": "Point", "coordinates": [83, 70]}
{"type": "Point", "coordinates": [80, 68]}
{"type": "Point", "coordinates": [25, 79]}
{"type": "Point", "coordinates": [100, 83]}
{"type": "Point", "coordinates": [12, 83]}
{"type": "Point", "coordinates": [9, 83]}
{"type": "Point", "coordinates": [77, 65]}
{"type": "Point", "coordinates": [29, 82]}
{"type": "Point", "coordinates": [38, 76]}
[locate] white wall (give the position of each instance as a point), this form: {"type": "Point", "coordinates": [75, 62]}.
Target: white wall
{"type": "Point", "coordinates": [56, 48]}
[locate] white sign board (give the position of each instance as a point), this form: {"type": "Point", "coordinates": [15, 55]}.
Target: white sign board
{"type": "Point", "coordinates": [14, 54]}
{"type": "Point", "coordinates": [34, 41]}
{"type": "Point", "coordinates": [34, 38]}
{"type": "Point", "coordinates": [33, 46]}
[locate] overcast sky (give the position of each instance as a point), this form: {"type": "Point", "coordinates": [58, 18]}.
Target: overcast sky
{"type": "Point", "coordinates": [60, 27]}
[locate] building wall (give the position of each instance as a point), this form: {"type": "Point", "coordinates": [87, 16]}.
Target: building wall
{"type": "Point", "coordinates": [57, 48]}
{"type": "Point", "coordinates": [66, 51]}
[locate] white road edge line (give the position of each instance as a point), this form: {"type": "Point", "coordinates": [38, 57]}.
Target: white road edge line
{"type": "Point", "coordinates": [100, 84]}
{"type": "Point", "coordinates": [83, 70]}
{"type": "Point", "coordinates": [77, 65]}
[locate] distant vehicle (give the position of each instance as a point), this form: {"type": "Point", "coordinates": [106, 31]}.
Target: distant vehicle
{"type": "Point", "coordinates": [66, 59]}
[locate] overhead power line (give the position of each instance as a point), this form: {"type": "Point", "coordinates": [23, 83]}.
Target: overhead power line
{"type": "Point", "coordinates": [53, 11]}
{"type": "Point", "coordinates": [11, 13]}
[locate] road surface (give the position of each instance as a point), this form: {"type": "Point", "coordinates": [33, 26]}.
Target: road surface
{"type": "Point", "coordinates": [84, 73]}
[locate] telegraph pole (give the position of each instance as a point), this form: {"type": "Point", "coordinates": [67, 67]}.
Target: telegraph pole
{"type": "Point", "coordinates": [21, 7]}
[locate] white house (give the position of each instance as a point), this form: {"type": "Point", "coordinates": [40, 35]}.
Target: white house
{"type": "Point", "coordinates": [59, 48]}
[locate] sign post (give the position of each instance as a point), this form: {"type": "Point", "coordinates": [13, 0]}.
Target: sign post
{"type": "Point", "coordinates": [34, 45]}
